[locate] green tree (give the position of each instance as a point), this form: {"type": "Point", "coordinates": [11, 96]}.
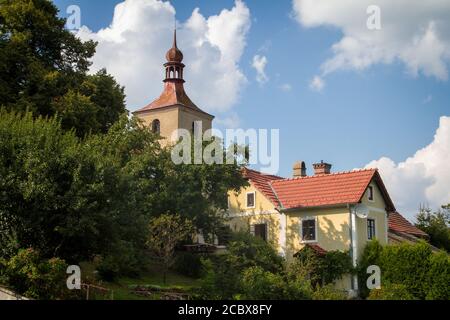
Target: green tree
{"type": "Point", "coordinates": [436, 225]}
{"type": "Point", "coordinates": [165, 233]}
{"type": "Point", "coordinates": [43, 69]}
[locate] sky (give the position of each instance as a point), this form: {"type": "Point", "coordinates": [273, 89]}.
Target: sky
{"type": "Point", "coordinates": [338, 90]}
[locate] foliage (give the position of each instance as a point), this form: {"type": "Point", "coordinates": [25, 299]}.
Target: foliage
{"type": "Point", "coordinates": [246, 250]}
{"type": "Point", "coordinates": [43, 69]}
{"type": "Point", "coordinates": [223, 273]}
{"type": "Point", "coordinates": [436, 225]}
{"type": "Point", "coordinates": [322, 269]}
{"type": "Point", "coordinates": [165, 233]}
{"type": "Point", "coordinates": [391, 292]}
{"type": "Point", "coordinates": [30, 275]}
{"type": "Point", "coordinates": [421, 272]}
{"type": "Point", "coordinates": [258, 284]}
{"type": "Point", "coordinates": [438, 277]}
{"type": "Point", "coordinates": [188, 264]}
{"type": "Point", "coordinates": [370, 256]}
{"type": "Point", "coordinates": [328, 292]}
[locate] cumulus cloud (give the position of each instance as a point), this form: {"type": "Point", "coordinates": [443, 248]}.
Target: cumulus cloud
{"type": "Point", "coordinates": [414, 32]}
{"type": "Point", "coordinates": [133, 49]}
{"type": "Point", "coordinates": [259, 64]}
{"type": "Point", "coordinates": [423, 178]}
{"type": "Point", "coordinates": [317, 84]}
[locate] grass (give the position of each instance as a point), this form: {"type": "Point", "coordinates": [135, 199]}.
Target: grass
{"type": "Point", "coordinates": [153, 276]}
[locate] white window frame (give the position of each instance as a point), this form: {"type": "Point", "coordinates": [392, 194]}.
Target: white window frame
{"type": "Point", "coordinates": [373, 193]}
{"type": "Point", "coordinates": [374, 236]}
{"type": "Point", "coordinates": [315, 231]}
{"type": "Point", "coordinates": [254, 200]}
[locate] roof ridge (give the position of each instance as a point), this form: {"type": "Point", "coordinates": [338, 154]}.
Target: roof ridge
{"type": "Point", "coordinates": [326, 175]}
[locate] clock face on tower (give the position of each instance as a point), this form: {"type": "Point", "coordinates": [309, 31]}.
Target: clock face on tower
{"type": "Point", "coordinates": [173, 109]}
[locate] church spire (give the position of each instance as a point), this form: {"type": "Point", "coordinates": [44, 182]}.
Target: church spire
{"type": "Point", "coordinates": [174, 67]}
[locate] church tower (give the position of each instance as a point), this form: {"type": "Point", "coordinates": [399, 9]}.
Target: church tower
{"type": "Point", "coordinates": [173, 109]}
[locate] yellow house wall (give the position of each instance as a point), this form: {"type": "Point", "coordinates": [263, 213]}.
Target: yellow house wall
{"type": "Point", "coordinates": [378, 213]}
{"type": "Point", "coordinates": [333, 232]}
{"type": "Point", "coordinates": [242, 217]}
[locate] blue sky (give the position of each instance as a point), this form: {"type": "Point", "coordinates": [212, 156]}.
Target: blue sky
{"type": "Point", "coordinates": [359, 116]}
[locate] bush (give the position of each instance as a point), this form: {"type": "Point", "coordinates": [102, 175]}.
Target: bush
{"type": "Point", "coordinates": [413, 267]}
{"type": "Point", "coordinates": [322, 269]}
{"type": "Point", "coordinates": [438, 284]}
{"type": "Point", "coordinates": [391, 292]}
{"type": "Point", "coordinates": [188, 264]}
{"type": "Point", "coordinates": [246, 250]}
{"type": "Point", "coordinates": [125, 260]}
{"type": "Point", "coordinates": [408, 265]}
{"type": "Point", "coordinates": [30, 275]}
{"type": "Point", "coordinates": [328, 292]}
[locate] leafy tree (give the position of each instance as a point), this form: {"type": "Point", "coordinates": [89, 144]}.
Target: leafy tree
{"type": "Point", "coordinates": [391, 292]}
{"type": "Point", "coordinates": [165, 233]}
{"type": "Point", "coordinates": [43, 69]}
{"type": "Point", "coordinates": [436, 225]}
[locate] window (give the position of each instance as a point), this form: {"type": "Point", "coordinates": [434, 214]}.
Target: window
{"type": "Point", "coordinates": [261, 231]}
{"type": "Point", "coordinates": [370, 229]}
{"type": "Point", "coordinates": [309, 230]}
{"type": "Point", "coordinates": [251, 200]}
{"type": "Point", "coordinates": [370, 193]}
{"type": "Point", "coordinates": [156, 126]}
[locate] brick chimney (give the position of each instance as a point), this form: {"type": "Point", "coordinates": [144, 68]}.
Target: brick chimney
{"type": "Point", "coordinates": [299, 169]}
{"type": "Point", "coordinates": [322, 168]}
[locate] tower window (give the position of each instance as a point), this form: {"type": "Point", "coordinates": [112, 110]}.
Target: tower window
{"type": "Point", "coordinates": [156, 126]}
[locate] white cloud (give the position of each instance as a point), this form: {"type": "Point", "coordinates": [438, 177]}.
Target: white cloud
{"type": "Point", "coordinates": [317, 84]}
{"type": "Point", "coordinates": [286, 87]}
{"type": "Point", "coordinates": [423, 178]}
{"type": "Point", "coordinates": [231, 121]}
{"type": "Point", "coordinates": [133, 49]}
{"type": "Point", "coordinates": [259, 63]}
{"type": "Point", "coordinates": [414, 32]}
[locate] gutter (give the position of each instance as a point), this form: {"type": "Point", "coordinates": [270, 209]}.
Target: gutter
{"type": "Point", "coordinates": [353, 244]}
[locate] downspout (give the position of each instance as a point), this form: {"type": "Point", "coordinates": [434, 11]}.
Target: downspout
{"type": "Point", "coordinates": [353, 245]}
{"type": "Point", "coordinates": [283, 224]}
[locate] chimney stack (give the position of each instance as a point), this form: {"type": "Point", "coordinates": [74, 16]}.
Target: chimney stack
{"type": "Point", "coordinates": [322, 168]}
{"type": "Point", "coordinates": [299, 169]}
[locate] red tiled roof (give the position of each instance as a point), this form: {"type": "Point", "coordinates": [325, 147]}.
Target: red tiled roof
{"type": "Point", "coordinates": [262, 183]}
{"type": "Point", "coordinates": [173, 94]}
{"type": "Point", "coordinates": [398, 223]}
{"type": "Point", "coordinates": [315, 247]}
{"type": "Point", "coordinates": [327, 189]}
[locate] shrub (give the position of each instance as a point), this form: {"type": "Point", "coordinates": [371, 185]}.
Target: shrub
{"type": "Point", "coordinates": [408, 265]}
{"type": "Point", "coordinates": [188, 264]}
{"type": "Point", "coordinates": [328, 292]}
{"type": "Point", "coordinates": [258, 284]}
{"type": "Point", "coordinates": [391, 292]}
{"type": "Point", "coordinates": [370, 256]}
{"type": "Point", "coordinates": [438, 284]}
{"type": "Point", "coordinates": [246, 250]}
{"type": "Point", "coordinates": [30, 275]}
{"type": "Point", "coordinates": [323, 269]}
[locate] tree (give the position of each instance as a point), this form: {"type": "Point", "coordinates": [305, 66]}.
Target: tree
{"type": "Point", "coordinates": [165, 233]}
{"type": "Point", "coordinates": [436, 225]}
{"type": "Point", "coordinates": [43, 69]}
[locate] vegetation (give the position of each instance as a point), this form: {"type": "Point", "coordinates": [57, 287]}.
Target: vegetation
{"type": "Point", "coordinates": [43, 69]}
{"type": "Point", "coordinates": [164, 234]}
{"type": "Point", "coordinates": [414, 268]}
{"type": "Point", "coordinates": [436, 225]}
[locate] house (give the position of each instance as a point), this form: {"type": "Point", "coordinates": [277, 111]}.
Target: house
{"type": "Point", "coordinates": [401, 230]}
{"type": "Point", "coordinates": [174, 109]}
{"type": "Point", "coordinates": [319, 210]}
